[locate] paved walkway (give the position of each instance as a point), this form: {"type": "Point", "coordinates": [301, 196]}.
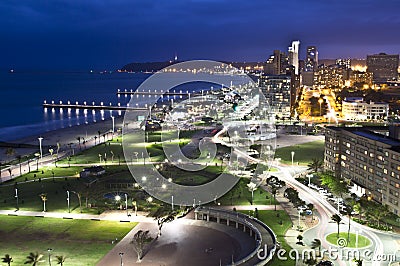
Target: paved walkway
{"type": "Point", "coordinates": [105, 216]}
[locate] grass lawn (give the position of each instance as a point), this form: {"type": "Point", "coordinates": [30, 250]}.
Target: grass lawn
{"type": "Point", "coordinates": [362, 240]}
{"type": "Point", "coordinates": [83, 242]}
{"type": "Point", "coordinates": [271, 219]}
{"type": "Point", "coordinates": [47, 171]}
{"type": "Point", "coordinates": [303, 153]}
{"type": "Point", "coordinates": [240, 195]}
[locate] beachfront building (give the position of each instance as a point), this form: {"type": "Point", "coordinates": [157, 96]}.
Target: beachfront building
{"type": "Point", "coordinates": [280, 92]}
{"type": "Point", "coordinates": [370, 160]}
{"type": "Point", "coordinates": [355, 109]}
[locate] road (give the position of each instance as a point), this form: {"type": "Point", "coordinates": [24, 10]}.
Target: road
{"type": "Point", "coordinates": [383, 243]}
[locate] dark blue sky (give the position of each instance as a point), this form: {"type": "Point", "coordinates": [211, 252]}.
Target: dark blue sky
{"type": "Point", "coordinates": [100, 34]}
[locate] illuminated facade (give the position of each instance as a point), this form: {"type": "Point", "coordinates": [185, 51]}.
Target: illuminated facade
{"type": "Point", "coordinates": [294, 56]}
{"type": "Point", "coordinates": [370, 160]}
{"type": "Point", "coordinates": [383, 67]}
{"type": "Point", "coordinates": [280, 91]}
{"type": "Point", "coordinates": [329, 77]}
{"type": "Point", "coordinates": [311, 62]}
{"type": "Point", "coordinates": [355, 109]}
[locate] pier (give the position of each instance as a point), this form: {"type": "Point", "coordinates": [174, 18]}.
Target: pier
{"type": "Point", "coordinates": [61, 105]}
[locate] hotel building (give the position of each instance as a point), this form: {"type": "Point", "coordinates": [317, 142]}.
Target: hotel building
{"type": "Point", "coordinates": [355, 109]}
{"type": "Point", "coordinates": [370, 160]}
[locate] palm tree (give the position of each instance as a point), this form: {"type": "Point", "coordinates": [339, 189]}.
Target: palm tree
{"type": "Point", "coordinates": [43, 197]}
{"type": "Point", "coordinates": [139, 242]}
{"type": "Point", "coordinates": [252, 187]}
{"type": "Point", "coordinates": [7, 259]}
{"type": "Point", "coordinates": [34, 258]}
{"type": "Point", "coordinates": [336, 218]}
{"type": "Point", "coordinates": [316, 244]}
{"type": "Point", "coordinates": [358, 209]}
{"type": "Point", "coordinates": [60, 259]}
{"type": "Point", "coordinates": [315, 165]}
{"type": "Point", "coordinates": [348, 211]}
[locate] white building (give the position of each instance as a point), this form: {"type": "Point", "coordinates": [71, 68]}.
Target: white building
{"type": "Point", "coordinates": [355, 109]}
{"type": "Point", "coordinates": [294, 56]}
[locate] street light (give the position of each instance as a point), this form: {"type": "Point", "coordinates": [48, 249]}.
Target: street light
{"type": "Point", "coordinates": [16, 196]}
{"type": "Point", "coordinates": [49, 250]}
{"type": "Point", "coordinates": [69, 210]}
{"type": "Point", "coordinates": [40, 147]}
{"type": "Point", "coordinates": [113, 124]}
{"type": "Point", "coordinates": [121, 254]}
{"type": "Point", "coordinates": [320, 101]}
{"type": "Point", "coordinates": [126, 204]}
{"type": "Point", "coordinates": [292, 156]}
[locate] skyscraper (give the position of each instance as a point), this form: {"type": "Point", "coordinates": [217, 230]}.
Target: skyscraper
{"type": "Point", "coordinates": [311, 59]}
{"type": "Point", "coordinates": [383, 66]}
{"type": "Point", "coordinates": [276, 64]}
{"type": "Point", "coordinates": [294, 56]}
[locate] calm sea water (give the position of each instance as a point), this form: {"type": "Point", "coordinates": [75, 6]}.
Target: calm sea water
{"type": "Point", "coordinates": [22, 95]}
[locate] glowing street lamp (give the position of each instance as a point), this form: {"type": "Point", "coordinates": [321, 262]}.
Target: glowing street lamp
{"type": "Point", "coordinates": [292, 153]}
{"type": "Point", "coordinates": [320, 101]}
{"type": "Point", "coordinates": [69, 210]}
{"type": "Point", "coordinates": [126, 204]}
{"type": "Point", "coordinates": [16, 196]}
{"type": "Point", "coordinates": [40, 147]}
{"type": "Point", "coordinates": [121, 254]}
{"type": "Point", "coordinates": [49, 250]}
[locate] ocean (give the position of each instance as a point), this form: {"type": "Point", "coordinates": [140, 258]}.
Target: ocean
{"type": "Point", "coordinates": [23, 93]}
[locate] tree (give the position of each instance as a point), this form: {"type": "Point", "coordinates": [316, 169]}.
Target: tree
{"type": "Point", "coordinates": [358, 209]}
{"type": "Point", "coordinates": [9, 152]}
{"type": "Point", "coordinates": [7, 259]}
{"type": "Point", "coordinates": [379, 212]}
{"type": "Point", "coordinates": [34, 258]}
{"type": "Point", "coordinates": [336, 218]}
{"type": "Point", "coordinates": [60, 259]}
{"type": "Point", "coordinates": [311, 207]}
{"type": "Point", "coordinates": [348, 211]}
{"type": "Point", "coordinates": [300, 239]}
{"type": "Point", "coordinates": [315, 165]}
{"type": "Point", "coordinates": [274, 190]}
{"type": "Point", "coordinates": [336, 185]}
{"type": "Point", "coordinates": [43, 197]}
{"type": "Point", "coordinates": [139, 242]}
{"type": "Point", "coordinates": [316, 244]}
{"type": "Point", "coordinates": [310, 260]}
{"type": "Point", "coordinates": [163, 215]}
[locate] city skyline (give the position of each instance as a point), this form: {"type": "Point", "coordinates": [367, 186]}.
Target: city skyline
{"type": "Point", "coordinates": [100, 36]}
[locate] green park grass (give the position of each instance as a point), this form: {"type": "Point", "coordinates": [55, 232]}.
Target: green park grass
{"type": "Point", "coordinates": [240, 195]}
{"type": "Point", "coordinates": [362, 240]}
{"type": "Point", "coordinates": [304, 153]}
{"type": "Point", "coordinates": [82, 242]}
{"type": "Point", "coordinates": [279, 222]}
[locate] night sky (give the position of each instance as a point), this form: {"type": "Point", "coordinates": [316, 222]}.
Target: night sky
{"type": "Point", "coordinates": [100, 34]}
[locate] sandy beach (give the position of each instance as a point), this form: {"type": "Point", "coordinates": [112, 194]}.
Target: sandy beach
{"type": "Point", "coordinates": [64, 136]}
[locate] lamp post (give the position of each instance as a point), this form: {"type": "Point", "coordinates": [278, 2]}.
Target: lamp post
{"type": "Point", "coordinates": [40, 147]}
{"type": "Point", "coordinates": [126, 204]}
{"type": "Point", "coordinates": [299, 218]}
{"type": "Point", "coordinates": [69, 210]}
{"type": "Point", "coordinates": [292, 153]}
{"type": "Point", "coordinates": [120, 255]}
{"type": "Point", "coordinates": [320, 101]}
{"type": "Point", "coordinates": [16, 196]}
{"type": "Point", "coordinates": [49, 250]}
{"type": "Point", "coordinates": [113, 125]}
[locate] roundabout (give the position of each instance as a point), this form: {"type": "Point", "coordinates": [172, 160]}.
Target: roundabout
{"type": "Point", "coordinates": [353, 241]}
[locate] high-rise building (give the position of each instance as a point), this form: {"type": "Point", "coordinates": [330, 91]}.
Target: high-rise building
{"type": "Point", "coordinates": [281, 92]}
{"type": "Point", "coordinates": [370, 160]}
{"type": "Point", "coordinates": [344, 63]}
{"type": "Point", "coordinates": [383, 67]}
{"type": "Point", "coordinates": [294, 56]}
{"type": "Point", "coordinates": [311, 63]}
{"type": "Point", "coordinates": [331, 76]}
{"type": "Point", "coordinates": [276, 63]}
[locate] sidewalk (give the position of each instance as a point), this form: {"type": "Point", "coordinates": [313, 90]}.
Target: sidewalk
{"type": "Point", "coordinates": [105, 216]}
